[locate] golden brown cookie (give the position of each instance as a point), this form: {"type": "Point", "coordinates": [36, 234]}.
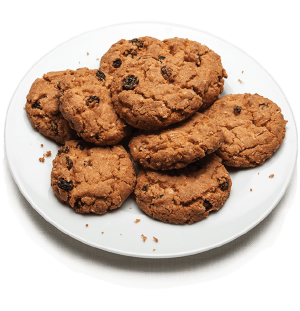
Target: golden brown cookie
{"type": "Point", "coordinates": [92, 179]}
{"type": "Point", "coordinates": [150, 93]}
{"type": "Point", "coordinates": [123, 50]}
{"type": "Point", "coordinates": [208, 83]}
{"type": "Point", "coordinates": [254, 128]}
{"type": "Point", "coordinates": [86, 104]}
{"type": "Point", "coordinates": [42, 108]}
{"type": "Point", "coordinates": [177, 146]}
{"type": "Point", "coordinates": [186, 195]}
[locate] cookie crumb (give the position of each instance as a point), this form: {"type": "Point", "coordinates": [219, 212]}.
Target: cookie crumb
{"type": "Point", "coordinates": [47, 154]}
{"type": "Point", "coordinates": [137, 220]}
{"type": "Point", "coordinates": [87, 225]}
{"type": "Point", "coordinates": [144, 238]}
{"type": "Point", "coordinates": [79, 62]}
{"type": "Point", "coordinates": [258, 173]}
{"type": "Point", "coordinates": [129, 207]}
{"type": "Point", "coordinates": [42, 159]}
{"type": "Point", "coordinates": [243, 71]}
{"type": "Point", "coordinates": [155, 239]}
{"type": "Point", "coordinates": [97, 58]}
{"type": "Point", "coordinates": [87, 53]}
{"type": "Point", "coordinates": [250, 189]}
{"type": "Point", "coordinates": [271, 176]}
{"type": "Point", "coordinates": [102, 232]}
{"type": "Point", "coordinates": [42, 145]}
{"type": "Point", "coordinates": [154, 249]}
{"type": "Point", "coordinates": [240, 80]}
{"type": "Point", "coordinates": [120, 233]}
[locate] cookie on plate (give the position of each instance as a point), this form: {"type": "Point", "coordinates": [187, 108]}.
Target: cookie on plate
{"type": "Point", "coordinates": [123, 50]}
{"type": "Point", "coordinates": [150, 93]}
{"type": "Point", "coordinates": [254, 128]}
{"type": "Point", "coordinates": [208, 83]}
{"type": "Point", "coordinates": [186, 195]}
{"type": "Point", "coordinates": [177, 146]}
{"type": "Point", "coordinates": [42, 108]}
{"type": "Point", "coordinates": [92, 179]}
{"type": "Point", "coordinates": [86, 104]}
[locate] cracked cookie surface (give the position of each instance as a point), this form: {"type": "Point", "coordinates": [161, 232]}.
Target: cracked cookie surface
{"type": "Point", "coordinates": [208, 83]}
{"type": "Point", "coordinates": [150, 93]}
{"type": "Point", "coordinates": [92, 179]}
{"type": "Point", "coordinates": [42, 108]}
{"type": "Point", "coordinates": [177, 146]}
{"type": "Point", "coordinates": [253, 126]}
{"type": "Point", "coordinates": [186, 195]}
{"type": "Point", "coordinates": [86, 104]}
{"type": "Point", "coordinates": [124, 50]}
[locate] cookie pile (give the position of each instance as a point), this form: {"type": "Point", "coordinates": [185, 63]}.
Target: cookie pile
{"type": "Point", "coordinates": [158, 100]}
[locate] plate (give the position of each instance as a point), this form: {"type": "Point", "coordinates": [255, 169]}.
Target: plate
{"type": "Point", "coordinates": [242, 211]}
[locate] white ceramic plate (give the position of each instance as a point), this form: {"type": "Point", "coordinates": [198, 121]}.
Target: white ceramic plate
{"type": "Point", "coordinates": [122, 235]}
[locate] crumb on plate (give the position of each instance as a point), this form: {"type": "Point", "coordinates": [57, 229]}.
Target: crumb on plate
{"type": "Point", "coordinates": [42, 159]}
{"type": "Point", "coordinates": [87, 225]}
{"type": "Point", "coordinates": [144, 238]}
{"type": "Point", "coordinates": [250, 189]}
{"type": "Point", "coordinates": [154, 249]}
{"type": "Point", "coordinates": [47, 154]}
{"type": "Point", "coordinates": [137, 220]}
{"type": "Point", "coordinates": [271, 176]}
{"type": "Point", "coordinates": [42, 145]}
{"type": "Point", "coordinates": [240, 80]}
{"type": "Point", "coordinates": [155, 239]}
{"type": "Point", "coordinates": [87, 53]}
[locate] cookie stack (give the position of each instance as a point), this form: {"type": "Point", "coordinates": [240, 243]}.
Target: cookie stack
{"type": "Point", "coordinates": [163, 98]}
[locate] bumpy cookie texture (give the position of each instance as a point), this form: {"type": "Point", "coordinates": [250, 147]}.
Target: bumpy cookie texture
{"type": "Point", "coordinates": [254, 128]}
{"type": "Point", "coordinates": [123, 50]}
{"type": "Point", "coordinates": [186, 195]}
{"type": "Point", "coordinates": [208, 82]}
{"type": "Point", "coordinates": [92, 179]}
{"type": "Point", "coordinates": [42, 108]}
{"type": "Point", "coordinates": [86, 104]}
{"type": "Point", "coordinates": [150, 93]}
{"type": "Point", "coordinates": [176, 147]}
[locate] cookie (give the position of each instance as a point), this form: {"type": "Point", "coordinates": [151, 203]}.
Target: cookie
{"type": "Point", "coordinates": [253, 126]}
{"type": "Point", "coordinates": [92, 179]}
{"type": "Point", "coordinates": [177, 146]}
{"type": "Point", "coordinates": [86, 104]}
{"type": "Point", "coordinates": [123, 50]}
{"type": "Point", "coordinates": [150, 93]}
{"type": "Point", "coordinates": [208, 83]}
{"type": "Point", "coordinates": [42, 108]}
{"type": "Point", "coordinates": [186, 195]}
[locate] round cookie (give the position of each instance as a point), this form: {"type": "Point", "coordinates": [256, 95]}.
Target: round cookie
{"type": "Point", "coordinates": [253, 126]}
{"type": "Point", "coordinates": [208, 83]}
{"type": "Point", "coordinates": [123, 50]}
{"type": "Point", "coordinates": [186, 195]}
{"type": "Point", "coordinates": [42, 108]}
{"type": "Point", "coordinates": [150, 93]}
{"type": "Point", "coordinates": [177, 146]}
{"type": "Point", "coordinates": [86, 104]}
{"type": "Point", "coordinates": [92, 179]}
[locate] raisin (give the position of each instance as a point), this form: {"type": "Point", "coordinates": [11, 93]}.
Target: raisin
{"type": "Point", "coordinates": [130, 52]}
{"type": "Point", "coordinates": [207, 205]}
{"type": "Point", "coordinates": [92, 99]}
{"type": "Point", "coordinates": [81, 144]}
{"type": "Point", "coordinates": [237, 110]}
{"type": "Point", "coordinates": [139, 43]}
{"type": "Point", "coordinates": [100, 75]}
{"type": "Point", "coordinates": [65, 185]}
{"type": "Point", "coordinates": [54, 127]}
{"type": "Point", "coordinates": [166, 73]}
{"type": "Point", "coordinates": [263, 106]}
{"type": "Point", "coordinates": [199, 63]}
{"type": "Point", "coordinates": [161, 58]}
{"type": "Point", "coordinates": [224, 186]}
{"type": "Point", "coordinates": [145, 188]}
{"type": "Point", "coordinates": [78, 203]}
{"type": "Point", "coordinates": [64, 149]}
{"type": "Point", "coordinates": [37, 105]}
{"type": "Point", "coordinates": [130, 83]}
{"type": "Point", "coordinates": [69, 163]}
{"type": "Point", "coordinates": [117, 63]}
